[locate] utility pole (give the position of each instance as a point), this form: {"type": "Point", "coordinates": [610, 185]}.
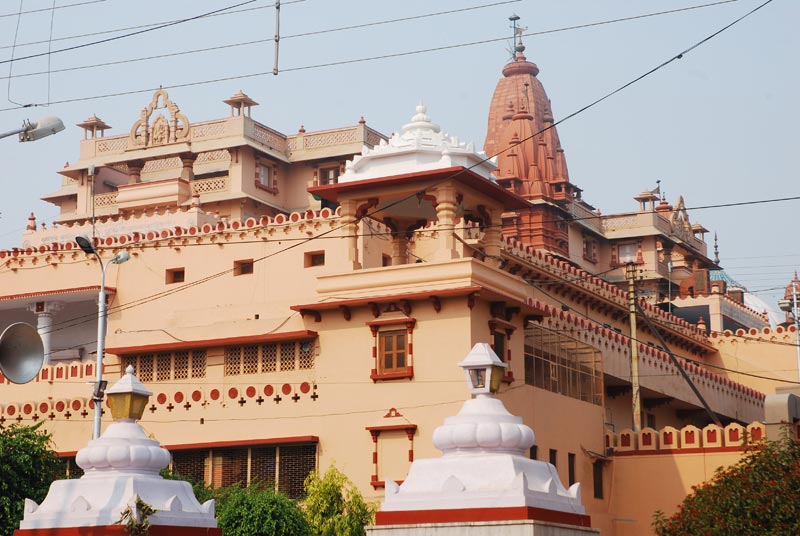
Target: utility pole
{"type": "Point", "coordinates": [630, 273]}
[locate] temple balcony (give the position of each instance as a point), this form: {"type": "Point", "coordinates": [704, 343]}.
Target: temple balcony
{"type": "Point", "coordinates": [634, 225]}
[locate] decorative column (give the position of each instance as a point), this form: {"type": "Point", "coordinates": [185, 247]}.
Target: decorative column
{"type": "Point", "coordinates": [135, 171]}
{"type": "Point", "coordinates": [350, 230]}
{"type": "Point", "coordinates": [445, 214]}
{"type": "Point", "coordinates": [399, 249]}
{"type": "Point", "coordinates": [187, 162]}
{"type": "Point", "coordinates": [492, 240]}
{"type": "Point", "coordinates": [44, 312]}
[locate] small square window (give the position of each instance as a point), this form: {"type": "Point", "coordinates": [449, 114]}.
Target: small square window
{"type": "Point", "coordinates": [329, 175]}
{"type": "Point", "coordinates": [392, 351]}
{"type": "Point", "coordinates": [314, 258]}
{"type": "Point", "coordinates": [243, 267]}
{"type": "Point", "coordinates": [265, 175]}
{"type": "Point", "coordinates": [628, 253]}
{"type": "Point", "coordinates": [554, 457]}
{"type": "Point", "coordinates": [386, 260]}
{"type": "Point", "coordinates": [175, 275]}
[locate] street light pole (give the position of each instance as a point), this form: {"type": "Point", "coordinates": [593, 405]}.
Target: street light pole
{"type": "Point", "coordinates": [792, 309]}
{"type": "Point", "coordinates": [630, 273]}
{"type": "Point", "coordinates": [102, 318]}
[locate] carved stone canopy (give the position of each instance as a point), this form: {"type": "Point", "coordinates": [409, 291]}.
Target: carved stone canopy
{"type": "Point", "coordinates": [151, 131]}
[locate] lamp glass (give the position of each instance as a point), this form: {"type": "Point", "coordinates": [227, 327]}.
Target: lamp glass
{"type": "Point", "coordinates": [497, 377]}
{"type": "Point", "coordinates": [127, 405]}
{"type": "Point", "coordinates": [477, 377]}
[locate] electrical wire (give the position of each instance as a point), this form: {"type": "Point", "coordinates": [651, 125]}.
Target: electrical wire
{"type": "Point", "coordinates": [137, 32]}
{"type": "Point", "coordinates": [156, 243]}
{"type": "Point", "coordinates": [376, 58]}
{"type": "Point", "coordinates": [269, 40]}
{"type": "Point", "coordinates": [77, 4]}
{"type": "Point", "coordinates": [13, 51]}
{"type": "Point", "coordinates": [332, 230]}
{"type": "Point", "coordinates": [150, 25]}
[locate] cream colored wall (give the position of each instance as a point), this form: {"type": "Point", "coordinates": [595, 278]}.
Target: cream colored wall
{"type": "Point", "coordinates": [646, 483]}
{"type": "Point", "coordinates": [348, 401]}
{"type": "Point", "coordinates": [757, 355]}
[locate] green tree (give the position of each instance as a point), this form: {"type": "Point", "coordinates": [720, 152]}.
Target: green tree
{"type": "Point", "coordinates": [259, 511]}
{"type": "Point", "coordinates": [334, 507]}
{"type": "Point", "coordinates": [27, 467]}
{"type": "Point", "coordinates": [759, 495]}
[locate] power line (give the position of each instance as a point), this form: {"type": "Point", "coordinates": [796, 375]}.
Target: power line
{"type": "Point", "coordinates": [138, 32]}
{"type": "Point", "coordinates": [150, 25]}
{"type": "Point", "coordinates": [261, 41]}
{"type": "Point", "coordinates": [233, 12]}
{"type": "Point", "coordinates": [332, 230]}
{"type": "Point", "coordinates": [390, 56]}
{"type": "Point", "coordinates": [4, 15]}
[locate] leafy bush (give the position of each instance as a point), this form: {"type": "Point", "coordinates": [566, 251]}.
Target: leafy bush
{"type": "Point", "coordinates": [259, 511]}
{"type": "Point", "coordinates": [759, 495]}
{"type": "Point", "coordinates": [202, 491]}
{"type": "Point", "coordinates": [334, 507]}
{"type": "Point", "coordinates": [27, 467]}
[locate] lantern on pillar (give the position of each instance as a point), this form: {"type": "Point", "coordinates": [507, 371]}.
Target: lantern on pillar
{"type": "Point", "coordinates": [483, 370]}
{"type": "Point", "coordinates": [128, 397]}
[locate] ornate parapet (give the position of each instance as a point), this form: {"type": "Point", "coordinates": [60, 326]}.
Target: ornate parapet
{"type": "Point", "coordinates": [689, 439]}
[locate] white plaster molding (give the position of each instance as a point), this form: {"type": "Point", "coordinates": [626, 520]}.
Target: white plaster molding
{"type": "Point", "coordinates": [420, 146]}
{"type": "Point", "coordinates": [119, 466]}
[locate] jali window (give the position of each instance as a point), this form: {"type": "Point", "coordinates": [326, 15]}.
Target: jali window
{"type": "Point", "coordinates": [270, 357]}
{"type": "Point", "coordinates": [166, 366]}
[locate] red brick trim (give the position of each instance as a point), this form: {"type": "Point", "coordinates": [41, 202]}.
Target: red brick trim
{"type": "Point", "coordinates": [380, 484]}
{"type": "Point", "coordinates": [149, 183]}
{"type": "Point", "coordinates": [408, 322]}
{"type": "Point", "coordinates": [56, 292]}
{"type": "Point", "coordinates": [113, 530]}
{"type": "Point", "coordinates": [480, 514]}
{"type": "Point", "coordinates": [362, 302]}
{"type": "Point", "coordinates": [406, 374]}
{"type": "Point", "coordinates": [456, 174]}
{"type": "Point", "coordinates": [408, 428]}
{"type": "Point", "coordinates": [245, 442]}
{"type": "Point", "coordinates": [266, 188]}
{"type": "Point", "coordinates": [673, 451]}
{"type": "Point", "coordinates": [206, 343]}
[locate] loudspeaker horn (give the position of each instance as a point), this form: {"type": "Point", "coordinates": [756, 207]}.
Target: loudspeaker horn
{"type": "Point", "coordinates": [21, 353]}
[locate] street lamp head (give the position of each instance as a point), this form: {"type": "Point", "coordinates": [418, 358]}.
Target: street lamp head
{"type": "Point", "coordinates": [44, 127]}
{"type": "Point", "coordinates": [85, 243]}
{"type": "Point", "coordinates": [122, 256]}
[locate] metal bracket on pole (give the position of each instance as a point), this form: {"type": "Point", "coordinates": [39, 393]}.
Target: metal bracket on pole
{"type": "Point", "coordinates": [277, 35]}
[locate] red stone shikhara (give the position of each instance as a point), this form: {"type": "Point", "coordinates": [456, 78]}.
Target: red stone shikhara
{"type": "Point", "coordinates": [289, 290]}
{"type": "Point", "coordinates": [530, 160]}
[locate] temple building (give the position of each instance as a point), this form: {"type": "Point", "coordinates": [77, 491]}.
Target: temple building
{"type": "Point", "coordinates": [297, 301]}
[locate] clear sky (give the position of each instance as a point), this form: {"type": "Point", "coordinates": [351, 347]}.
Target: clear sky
{"type": "Point", "coordinates": [718, 126]}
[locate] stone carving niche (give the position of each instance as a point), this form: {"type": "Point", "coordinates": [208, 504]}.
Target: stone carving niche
{"type": "Point", "coordinates": [151, 131]}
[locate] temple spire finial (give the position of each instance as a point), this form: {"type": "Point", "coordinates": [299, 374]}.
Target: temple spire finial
{"type": "Point", "coordinates": [716, 249]}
